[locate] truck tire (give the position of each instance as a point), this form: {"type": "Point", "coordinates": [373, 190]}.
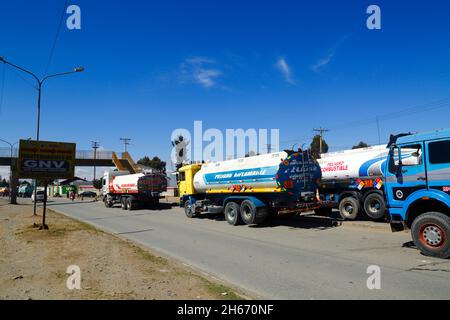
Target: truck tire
{"type": "Point", "coordinates": [188, 209]}
{"type": "Point", "coordinates": [431, 234]}
{"type": "Point", "coordinates": [325, 212]}
{"type": "Point", "coordinates": [155, 203]}
{"type": "Point", "coordinates": [349, 208]}
{"type": "Point", "coordinates": [130, 204]}
{"type": "Point", "coordinates": [250, 214]}
{"type": "Point", "coordinates": [375, 206]}
{"type": "Point", "coordinates": [123, 203]}
{"type": "Point", "coordinates": [232, 213]}
{"type": "Point", "coordinates": [108, 203]}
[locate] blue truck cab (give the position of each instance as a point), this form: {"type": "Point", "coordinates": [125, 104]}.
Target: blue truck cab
{"type": "Point", "coordinates": [417, 186]}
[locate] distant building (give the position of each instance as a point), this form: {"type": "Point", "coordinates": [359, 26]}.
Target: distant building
{"type": "Point", "coordinates": [62, 188]}
{"type": "Point", "coordinates": [171, 192]}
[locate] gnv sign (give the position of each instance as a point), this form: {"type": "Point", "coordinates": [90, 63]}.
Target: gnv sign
{"type": "Point", "coordinates": [39, 165]}
{"type": "Point", "coordinates": [46, 160]}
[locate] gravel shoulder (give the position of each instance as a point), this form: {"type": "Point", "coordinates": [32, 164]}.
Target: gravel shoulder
{"type": "Point", "coordinates": [33, 263]}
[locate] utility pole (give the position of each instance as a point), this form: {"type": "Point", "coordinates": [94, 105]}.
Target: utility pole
{"type": "Point", "coordinates": [126, 142]}
{"type": "Point", "coordinates": [95, 146]}
{"type": "Point", "coordinates": [378, 128]}
{"type": "Point", "coordinates": [320, 131]}
{"type": "Point", "coordinates": [12, 181]}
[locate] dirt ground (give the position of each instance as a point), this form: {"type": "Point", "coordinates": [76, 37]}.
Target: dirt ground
{"type": "Point", "coordinates": [33, 263]}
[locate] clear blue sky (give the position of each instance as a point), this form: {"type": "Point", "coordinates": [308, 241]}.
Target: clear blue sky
{"type": "Point", "coordinates": [154, 66]}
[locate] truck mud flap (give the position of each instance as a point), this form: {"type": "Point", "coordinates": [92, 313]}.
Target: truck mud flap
{"type": "Point", "coordinates": [397, 226]}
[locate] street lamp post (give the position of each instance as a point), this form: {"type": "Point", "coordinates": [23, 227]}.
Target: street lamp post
{"type": "Point", "coordinates": [39, 81]}
{"type": "Point", "coordinates": [12, 187]}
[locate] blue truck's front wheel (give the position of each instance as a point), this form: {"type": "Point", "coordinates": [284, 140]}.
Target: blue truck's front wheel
{"type": "Point", "coordinates": [431, 234]}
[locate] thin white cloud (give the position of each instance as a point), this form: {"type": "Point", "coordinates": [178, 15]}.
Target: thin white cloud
{"type": "Point", "coordinates": [200, 70]}
{"type": "Point", "coordinates": [207, 77]}
{"type": "Point", "coordinates": [285, 70]}
{"type": "Point", "coordinates": [323, 61]}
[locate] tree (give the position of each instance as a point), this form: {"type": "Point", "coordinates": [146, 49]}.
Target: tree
{"type": "Point", "coordinates": [97, 183]}
{"type": "Point", "coordinates": [155, 163]}
{"type": "Point", "coordinates": [361, 144]}
{"type": "Point", "coordinates": [3, 183]}
{"type": "Point", "coordinates": [315, 147]}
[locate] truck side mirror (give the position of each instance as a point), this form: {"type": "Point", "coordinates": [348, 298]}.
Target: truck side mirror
{"type": "Point", "coordinates": [393, 168]}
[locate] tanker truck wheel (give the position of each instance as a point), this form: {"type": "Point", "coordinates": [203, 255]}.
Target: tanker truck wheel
{"type": "Point", "coordinates": [374, 206]}
{"type": "Point", "coordinates": [108, 203]}
{"type": "Point", "coordinates": [232, 214]}
{"type": "Point", "coordinates": [123, 203]}
{"type": "Point", "coordinates": [431, 234]}
{"type": "Point", "coordinates": [250, 214]}
{"type": "Point", "coordinates": [188, 209]}
{"type": "Point", "coordinates": [130, 204]}
{"type": "Point", "coordinates": [349, 208]}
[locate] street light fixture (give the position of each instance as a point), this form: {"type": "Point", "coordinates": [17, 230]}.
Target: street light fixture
{"type": "Point", "coordinates": [39, 81]}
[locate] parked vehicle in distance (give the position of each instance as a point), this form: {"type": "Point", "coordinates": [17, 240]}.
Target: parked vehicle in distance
{"type": "Point", "coordinates": [4, 192]}
{"type": "Point", "coordinates": [133, 190]}
{"type": "Point", "coordinates": [249, 190]}
{"type": "Point", "coordinates": [39, 196]}
{"type": "Point", "coordinates": [25, 191]}
{"type": "Point", "coordinates": [88, 194]}
{"type": "Point", "coordinates": [418, 193]}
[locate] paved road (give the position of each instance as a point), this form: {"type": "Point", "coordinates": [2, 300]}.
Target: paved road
{"type": "Point", "coordinates": [290, 258]}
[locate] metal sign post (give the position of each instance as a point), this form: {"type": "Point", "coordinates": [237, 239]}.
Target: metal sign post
{"type": "Point", "coordinates": [44, 209]}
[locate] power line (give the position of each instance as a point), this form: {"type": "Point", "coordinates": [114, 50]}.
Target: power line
{"type": "Point", "coordinates": [58, 30]}
{"type": "Point", "coordinates": [437, 104]}
{"type": "Point", "coordinates": [396, 114]}
{"type": "Point", "coordinates": [2, 88]}
{"type": "Point", "coordinates": [320, 131]}
{"type": "Point", "coordinates": [126, 142]}
{"type": "Point", "coordinates": [27, 81]}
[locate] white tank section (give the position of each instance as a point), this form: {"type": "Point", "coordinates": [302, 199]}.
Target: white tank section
{"type": "Point", "coordinates": [360, 163]}
{"type": "Point", "coordinates": [293, 173]}
{"type": "Point", "coordinates": [119, 182]}
{"type": "Point", "coordinates": [125, 183]}
{"type": "Point", "coordinates": [255, 172]}
{"type": "Point", "coordinates": [352, 164]}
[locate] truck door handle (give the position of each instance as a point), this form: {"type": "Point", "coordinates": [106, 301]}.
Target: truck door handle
{"type": "Point", "coordinates": [422, 178]}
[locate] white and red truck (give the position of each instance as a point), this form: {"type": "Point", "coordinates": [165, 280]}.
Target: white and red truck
{"type": "Point", "coordinates": [133, 190]}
